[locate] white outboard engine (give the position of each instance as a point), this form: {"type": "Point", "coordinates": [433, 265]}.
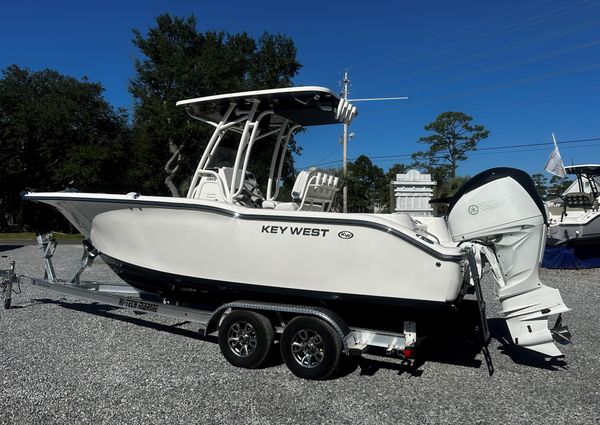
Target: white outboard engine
{"type": "Point", "coordinates": [500, 211]}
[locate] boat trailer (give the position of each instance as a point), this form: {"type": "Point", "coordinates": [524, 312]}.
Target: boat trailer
{"type": "Point", "coordinates": [240, 324]}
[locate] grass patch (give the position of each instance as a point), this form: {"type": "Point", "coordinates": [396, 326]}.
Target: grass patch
{"type": "Point", "coordinates": [30, 236]}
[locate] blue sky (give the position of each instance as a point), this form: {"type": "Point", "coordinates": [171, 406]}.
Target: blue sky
{"type": "Point", "coordinates": [522, 69]}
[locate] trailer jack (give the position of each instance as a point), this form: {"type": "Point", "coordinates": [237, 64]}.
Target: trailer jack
{"type": "Point", "coordinates": [8, 280]}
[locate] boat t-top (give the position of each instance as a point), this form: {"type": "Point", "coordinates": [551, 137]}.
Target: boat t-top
{"type": "Point", "coordinates": [226, 241]}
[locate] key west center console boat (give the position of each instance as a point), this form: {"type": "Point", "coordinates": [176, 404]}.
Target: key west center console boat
{"type": "Point", "coordinates": [225, 241]}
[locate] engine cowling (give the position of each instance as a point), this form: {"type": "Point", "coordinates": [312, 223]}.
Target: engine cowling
{"type": "Point", "coordinates": [500, 210]}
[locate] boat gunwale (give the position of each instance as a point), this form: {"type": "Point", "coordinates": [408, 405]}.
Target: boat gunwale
{"type": "Point", "coordinates": [199, 206]}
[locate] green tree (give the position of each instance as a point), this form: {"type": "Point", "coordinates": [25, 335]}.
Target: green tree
{"type": "Point", "coordinates": [57, 132]}
{"type": "Point", "coordinates": [181, 63]}
{"type": "Point", "coordinates": [367, 186]}
{"type": "Point", "coordinates": [445, 189]}
{"type": "Point", "coordinates": [557, 186]}
{"type": "Point", "coordinates": [396, 169]}
{"type": "Point", "coordinates": [541, 184]}
{"type": "Point", "coordinates": [453, 136]}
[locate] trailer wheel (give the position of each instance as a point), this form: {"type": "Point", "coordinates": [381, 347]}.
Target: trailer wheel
{"type": "Point", "coordinates": [245, 338]}
{"type": "Point", "coordinates": [7, 303]}
{"type": "Point", "coordinates": [310, 348]}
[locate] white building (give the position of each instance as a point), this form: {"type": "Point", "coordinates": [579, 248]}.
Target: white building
{"type": "Point", "coordinates": [413, 191]}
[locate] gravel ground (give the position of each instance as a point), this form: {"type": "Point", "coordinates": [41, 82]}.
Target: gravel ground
{"type": "Point", "coordinates": [64, 360]}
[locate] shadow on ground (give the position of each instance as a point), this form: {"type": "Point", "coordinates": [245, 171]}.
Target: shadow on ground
{"type": "Point", "coordinates": [10, 247]}
{"type": "Point", "coordinates": [521, 355]}
{"type": "Point", "coordinates": [112, 313]}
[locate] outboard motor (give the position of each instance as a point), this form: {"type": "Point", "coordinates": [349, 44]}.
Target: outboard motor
{"type": "Point", "coordinates": [500, 212]}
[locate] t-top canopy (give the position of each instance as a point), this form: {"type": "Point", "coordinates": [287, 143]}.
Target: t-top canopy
{"type": "Point", "coordinates": [587, 169]}
{"type": "Point", "coordinates": [306, 106]}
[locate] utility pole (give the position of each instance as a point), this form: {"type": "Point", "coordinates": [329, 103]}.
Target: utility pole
{"type": "Point", "coordinates": [345, 93]}
{"type": "Point", "coordinates": [346, 82]}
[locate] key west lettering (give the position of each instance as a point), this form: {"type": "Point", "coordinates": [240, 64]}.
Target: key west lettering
{"type": "Point", "coordinates": [293, 230]}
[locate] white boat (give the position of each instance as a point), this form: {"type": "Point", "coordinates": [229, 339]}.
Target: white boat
{"type": "Point", "coordinates": [577, 219]}
{"type": "Point", "coordinates": [220, 243]}
{"type": "Point", "coordinates": [574, 224]}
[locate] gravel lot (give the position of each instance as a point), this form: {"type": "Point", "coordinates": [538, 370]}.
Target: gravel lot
{"type": "Point", "coordinates": [64, 360]}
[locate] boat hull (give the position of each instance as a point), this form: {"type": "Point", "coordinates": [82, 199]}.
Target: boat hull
{"type": "Point", "coordinates": [577, 226]}
{"type": "Point", "coordinates": [573, 241]}
{"type": "Point", "coordinates": [214, 293]}
{"type": "Point", "coordinates": [184, 249]}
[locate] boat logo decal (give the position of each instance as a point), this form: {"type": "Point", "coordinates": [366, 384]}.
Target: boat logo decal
{"type": "Point", "coordinates": [491, 204]}
{"type": "Point", "coordinates": [138, 305]}
{"type": "Point", "coordinates": [294, 230]}
{"type": "Point", "coordinates": [344, 234]}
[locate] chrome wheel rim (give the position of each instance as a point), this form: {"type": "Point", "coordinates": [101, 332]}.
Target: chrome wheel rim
{"type": "Point", "coordinates": [308, 348]}
{"type": "Point", "coordinates": [242, 339]}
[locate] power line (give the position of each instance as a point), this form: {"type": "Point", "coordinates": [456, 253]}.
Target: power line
{"type": "Point", "coordinates": [486, 36]}
{"type": "Point", "coordinates": [512, 83]}
{"type": "Point", "coordinates": [446, 35]}
{"type": "Point", "coordinates": [508, 65]}
{"type": "Point", "coordinates": [517, 148]}
{"type": "Point", "coordinates": [564, 142]}
{"type": "Point", "coordinates": [500, 153]}
{"type": "Point", "coordinates": [489, 53]}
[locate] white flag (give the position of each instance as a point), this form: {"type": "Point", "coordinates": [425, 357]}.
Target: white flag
{"type": "Point", "coordinates": [555, 165]}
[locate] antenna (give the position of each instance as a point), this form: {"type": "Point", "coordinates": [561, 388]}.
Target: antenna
{"type": "Point", "coordinates": [371, 99]}
{"type": "Point", "coordinates": [346, 84]}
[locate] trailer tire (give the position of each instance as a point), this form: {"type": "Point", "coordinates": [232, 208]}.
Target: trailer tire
{"type": "Point", "coordinates": [310, 348]}
{"type": "Point", "coordinates": [7, 304]}
{"type": "Point", "coordinates": [246, 338]}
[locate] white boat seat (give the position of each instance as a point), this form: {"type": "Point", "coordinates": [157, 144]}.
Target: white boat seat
{"type": "Point", "coordinates": [283, 206]}
{"type": "Point", "coordinates": [208, 188]}
{"type": "Point", "coordinates": [313, 190]}
{"type": "Point", "coordinates": [578, 200]}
